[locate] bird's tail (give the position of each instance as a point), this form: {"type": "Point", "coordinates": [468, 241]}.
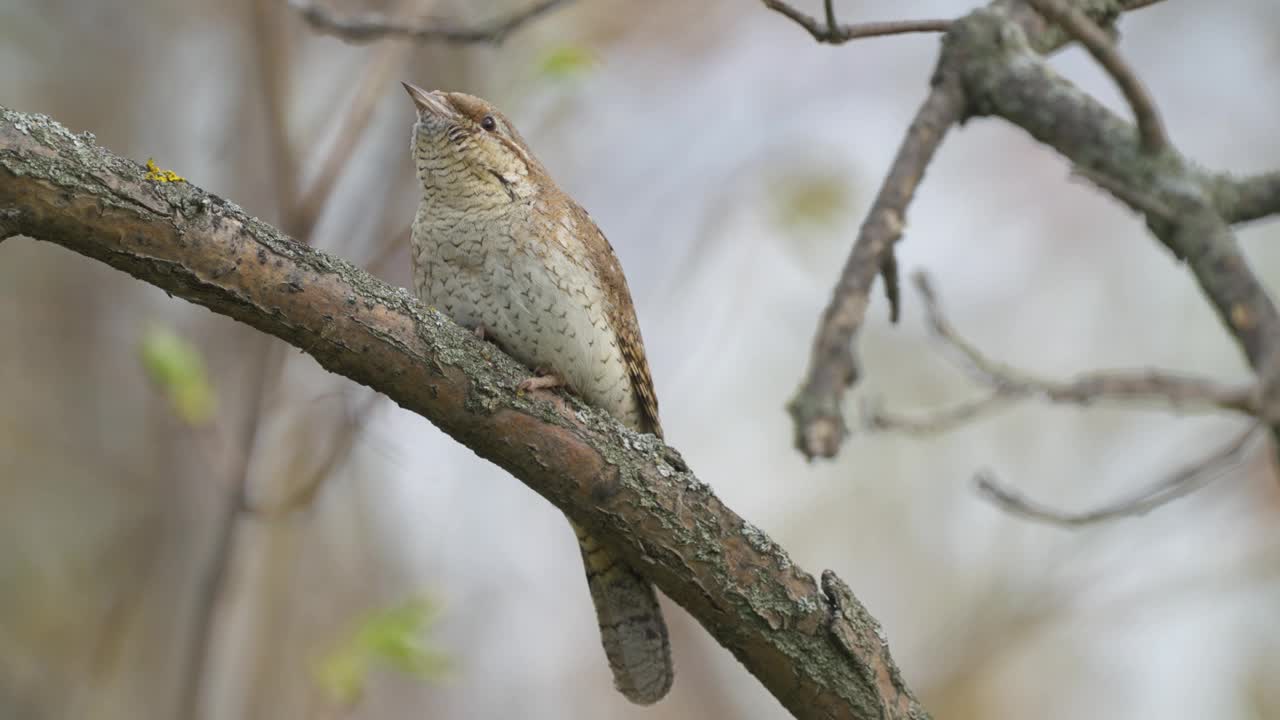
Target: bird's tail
{"type": "Point", "coordinates": [631, 625]}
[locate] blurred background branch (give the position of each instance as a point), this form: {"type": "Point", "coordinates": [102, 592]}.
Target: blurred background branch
{"type": "Point", "coordinates": [836, 33]}
{"type": "Point", "coordinates": [300, 211]}
{"type": "Point", "coordinates": [374, 26]}
{"type": "Point", "coordinates": [987, 67]}
{"type": "Point", "coordinates": [1175, 391]}
{"type": "Point", "coordinates": [1166, 490]}
{"type": "Point", "coordinates": [816, 409]}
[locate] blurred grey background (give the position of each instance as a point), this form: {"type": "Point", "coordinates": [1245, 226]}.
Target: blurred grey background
{"type": "Point", "coordinates": [287, 545]}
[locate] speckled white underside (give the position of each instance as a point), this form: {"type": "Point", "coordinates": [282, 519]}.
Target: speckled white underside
{"type": "Point", "coordinates": [539, 305]}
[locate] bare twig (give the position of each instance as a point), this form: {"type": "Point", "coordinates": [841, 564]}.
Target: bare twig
{"type": "Point", "coordinates": [1174, 390]}
{"type": "Point", "coordinates": [1245, 199]}
{"type": "Point", "coordinates": [1179, 391]}
{"type": "Point", "coordinates": [832, 368]}
{"type": "Point", "coordinates": [272, 54]}
{"type": "Point", "coordinates": [876, 418]}
{"type": "Point", "coordinates": [371, 87]}
{"type": "Point", "coordinates": [1180, 484]}
{"type": "Point", "coordinates": [374, 26]}
{"type": "Point", "coordinates": [300, 214]}
{"type": "Point", "coordinates": [835, 34]}
{"type": "Point", "coordinates": [1154, 139]}
{"type": "Point", "coordinates": [339, 449]}
{"type": "Point", "coordinates": [892, 285]}
{"type": "Point", "coordinates": [829, 9]}
{"type": "Point", "coordinates": [1139, 4]}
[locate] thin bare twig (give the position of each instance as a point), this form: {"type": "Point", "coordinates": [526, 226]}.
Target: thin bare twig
{"type": "Point", "coordinates": [1100, 46]}
{"type": "Point", "coordinates": [819, 423]}
{"type": "Point", "coordinates": [271, 48]}
{"type": "Point", "coordinates": [834, 33]}
{"type": "Point", "coordinates": [1175, 390]}
{"type": "Point", "coordinates": [1178, 390]}
{"type": "Point", "coordinates": [340, 447]}
{"type": "Point", "coordinates": [371, 88]}
{"type": "Point", "coordinates": [829, 8]}
{"type": "Point", "coordinates": [1139, 4]}
{"type": "Point", "coordinates": [1249, 198]}
{"type": "Point", "coordinates": [1180, 484]}
{"type": "Point", "coordinates": [876, 418]}
{"type": "Point", "coordinates": [374, 26]}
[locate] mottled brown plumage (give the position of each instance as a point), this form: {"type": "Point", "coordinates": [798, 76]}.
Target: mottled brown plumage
{"type": "Point", "coordinates": [500, 248]}
{"type": "Point", "coordinates": [622, 317]}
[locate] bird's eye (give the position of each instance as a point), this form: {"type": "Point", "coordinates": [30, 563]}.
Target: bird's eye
{"type": "Point", "coordinates": [488, 123]}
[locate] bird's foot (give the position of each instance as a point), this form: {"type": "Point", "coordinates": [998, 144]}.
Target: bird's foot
{"type": "Point", "coordinates": [540, 382]}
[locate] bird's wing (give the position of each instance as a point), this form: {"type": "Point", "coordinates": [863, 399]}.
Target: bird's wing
{"type": "Point", "coordinates": [622, 315]}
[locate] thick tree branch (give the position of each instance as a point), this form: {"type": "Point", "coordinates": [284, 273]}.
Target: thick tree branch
{"type": "Point", "coordinates": [368, 27]}
{"type": "Point", "coordinates": [813, 646]}
{"type": "Point", "coordinates": [1103, 50]}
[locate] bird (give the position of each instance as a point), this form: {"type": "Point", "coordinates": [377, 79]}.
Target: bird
{"type": "Point", "coordinates": [501, 249]}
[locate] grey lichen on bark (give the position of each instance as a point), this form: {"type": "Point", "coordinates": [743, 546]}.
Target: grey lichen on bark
{"type": "Point", "coordinates": [630, 489]}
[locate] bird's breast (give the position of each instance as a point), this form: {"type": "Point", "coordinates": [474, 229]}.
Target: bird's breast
{"type": "Point", "coordinates": [534, 299]}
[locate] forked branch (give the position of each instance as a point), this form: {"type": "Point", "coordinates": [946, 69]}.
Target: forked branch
{"type": "Point", "coordinates": [816, 408]}
{"type": "Point", "coordinates": [1092, 37]}
{"type": "Point", "coordinates": [835, 33]}
{"type": "Point", "coordinates": [992, 65]}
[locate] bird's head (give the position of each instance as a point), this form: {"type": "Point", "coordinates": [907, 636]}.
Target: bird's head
{"type": "Point", "coordinates": [464, 148]}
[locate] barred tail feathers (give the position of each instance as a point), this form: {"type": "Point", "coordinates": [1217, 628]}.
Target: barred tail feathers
{"type": "Point", "coordinates": [632, 630]}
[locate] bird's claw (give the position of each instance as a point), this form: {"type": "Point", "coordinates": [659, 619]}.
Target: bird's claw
{"type": "Point", "coordinates": [539, 382]}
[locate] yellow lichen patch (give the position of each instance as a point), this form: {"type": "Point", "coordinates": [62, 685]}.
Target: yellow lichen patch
{"type": "Point", "coordinates": [155, 173]}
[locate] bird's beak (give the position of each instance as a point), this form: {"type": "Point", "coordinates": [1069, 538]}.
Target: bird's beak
{"type": "Point", "coordinates": [430, 102]}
